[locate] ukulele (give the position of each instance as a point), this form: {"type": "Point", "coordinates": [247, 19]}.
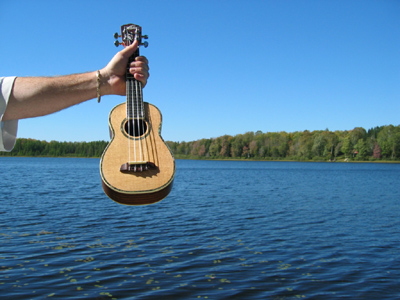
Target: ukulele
{"type": "Point", "coordinates": [136, 167]}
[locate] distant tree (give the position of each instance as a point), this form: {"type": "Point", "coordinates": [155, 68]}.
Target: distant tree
{"type": "Point", "coordinates": [318, 144]}
{"type": "Point", "coordinates": [356, 134]}
{"type": "Point", "coordinates": [226, 146]}
{"type": "Point", "coordinates": [332, 140]}
{"type": "Point", "coordinates": [215, 147]}
{"type": "Point", "coordinates": [183, 148]}
{"type": "Point", "coordinates": [347, 147]}
{"type": "Point", "coordinates": [202, 150]}
{"type": "Point", "coordinates": [245, 151]}
{"type": "Point", "coordinates": [294, 143]}
{"type": "Point", "coordinates": [253, 148]}
{"type": "Point", "coordinates": [373, 132]}
{"type": "Point", "coordinates": [338, 149]}
{"type": "Point", "coordinates": [237, 146]}
{"type": "Point", "coordinates": [377, 152]}
{"type": "Point", "coordinates": [361, 149]}
{"type": "Point", "coordinates": [305, 145]}
{"type": "Point", "coordinates": [389, 140]}
{"type": "Point", "coordinates": [195, 148]}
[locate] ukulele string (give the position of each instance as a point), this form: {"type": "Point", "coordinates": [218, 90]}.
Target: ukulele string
{"type": "Point", "coordinates": [139, 117]}
{"type": "Point", "coordinates": [144, 129]}
{"type": "Point", "coordinates": [133, 118]}
{"type": "Point", "coordinates": [128, 114]}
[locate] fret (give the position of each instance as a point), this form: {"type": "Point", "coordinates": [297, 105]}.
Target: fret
{"type": "Point", "coordinates": [134, 94]}
{"type": "Point", "coordinates": [134, 100]}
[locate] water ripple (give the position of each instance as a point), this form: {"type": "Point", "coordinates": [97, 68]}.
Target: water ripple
{"type": "Point", "coordinates": [228, 230]}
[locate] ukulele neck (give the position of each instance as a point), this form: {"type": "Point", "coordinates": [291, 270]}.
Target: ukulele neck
{"type": "Point", "coordinates": [134, 93]}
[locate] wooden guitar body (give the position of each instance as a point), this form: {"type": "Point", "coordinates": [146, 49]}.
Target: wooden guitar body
{"type": "Point", "coordinates": [139, 169]}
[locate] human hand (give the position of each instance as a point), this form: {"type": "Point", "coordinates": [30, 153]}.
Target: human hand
{"type": "Point", "coordinates": [113, 75]}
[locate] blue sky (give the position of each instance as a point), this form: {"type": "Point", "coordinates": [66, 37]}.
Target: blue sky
{"type": "Point", "coordinates": [217, 66]}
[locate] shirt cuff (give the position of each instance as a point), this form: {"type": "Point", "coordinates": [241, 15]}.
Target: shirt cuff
{"type": "Point", "coordinates": [8, 133]}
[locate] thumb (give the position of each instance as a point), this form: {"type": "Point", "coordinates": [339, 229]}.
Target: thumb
{"type": "Point", "coordinates": [129, 50]}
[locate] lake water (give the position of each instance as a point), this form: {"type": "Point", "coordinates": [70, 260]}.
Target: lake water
{"type": "Point", "coordinates": [228, 230]}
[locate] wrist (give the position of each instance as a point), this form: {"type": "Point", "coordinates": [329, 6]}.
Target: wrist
{"type": "Point", "coordinates": [103, 82]}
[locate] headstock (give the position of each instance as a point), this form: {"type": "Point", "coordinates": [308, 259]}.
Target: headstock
{"type": "Point", "coordinates": [130, 33]}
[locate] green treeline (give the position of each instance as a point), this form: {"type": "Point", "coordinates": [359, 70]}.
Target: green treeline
{"type": "Point", "coordinates": [29, 147]}
{"type": "Point", "coordinates": [379, 143]}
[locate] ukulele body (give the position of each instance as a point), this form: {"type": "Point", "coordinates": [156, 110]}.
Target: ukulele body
{"type": "Point", "coordinates": [136, 169]}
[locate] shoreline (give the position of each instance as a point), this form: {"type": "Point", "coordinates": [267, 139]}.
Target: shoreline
{"type": "Point", "coordinates": [235, 159]}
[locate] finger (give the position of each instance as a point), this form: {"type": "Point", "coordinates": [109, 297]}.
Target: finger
{"type": "Point", "coordinates": [142, 59]}
{"type": "Point", "coordinates": [129, 50]}
{"type": "Point", "coordinates": [142, 78]}
{"type": "Point", "coordinates": [139, 71]}
{"type": "Point", "coordinates": [139, 66]}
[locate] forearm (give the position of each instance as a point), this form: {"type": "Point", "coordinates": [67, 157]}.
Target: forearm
{"type": "Point", "coordinates": [38, 96]}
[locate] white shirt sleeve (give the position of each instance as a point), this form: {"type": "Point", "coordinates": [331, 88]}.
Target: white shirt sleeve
{"type": "Point", "coordinates": [8, 129]}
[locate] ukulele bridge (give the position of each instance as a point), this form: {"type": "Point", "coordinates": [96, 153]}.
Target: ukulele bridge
{"type": "Point", "coordinates": [137, 167]}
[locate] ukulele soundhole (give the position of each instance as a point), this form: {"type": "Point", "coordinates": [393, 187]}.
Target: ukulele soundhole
{"type": "Point", "coordinates": [135, 128]}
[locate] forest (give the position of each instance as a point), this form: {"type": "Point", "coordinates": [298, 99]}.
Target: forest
{"type": "Point", "coordinates": [358, 144]}
{"type": "Point", "coordinates": [381, 143]}
{"type": "Point", "coordinates": [30, 147]}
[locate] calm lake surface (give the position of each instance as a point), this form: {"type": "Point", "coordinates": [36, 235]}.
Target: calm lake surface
{"type": "Point", "coordinates": [228, 230]}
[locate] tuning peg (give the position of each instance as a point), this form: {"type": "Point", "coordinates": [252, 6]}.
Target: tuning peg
{"type": "Point", "coordinates": [116, 36]}
{"type": "Point", "coordinates": [145, 44]}
{"type": "Point", "coordinates": [117, 43]}
{"type": "Point", "coordinates": [145, 37]}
